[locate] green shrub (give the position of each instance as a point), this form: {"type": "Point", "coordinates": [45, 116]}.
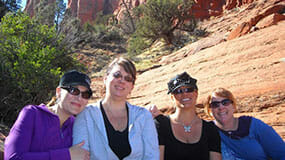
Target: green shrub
{"type": "Point", "coordinates": [136, 45]}
{"type": "Point", "coordinates": [32, 60]}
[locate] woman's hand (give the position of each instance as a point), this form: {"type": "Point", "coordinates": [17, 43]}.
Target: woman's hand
{"type": "Point", "coordinates": [153, 110]}
{"type": "Point", "coordinates": [78, 153]}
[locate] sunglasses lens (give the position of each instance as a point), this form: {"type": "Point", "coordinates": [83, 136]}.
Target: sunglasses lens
{"type": "Point", "coordinates": [117, 75]}
{"type": "Point", "coordinates": [226, 102]}
{"type": "Point", "coordinates": [188, 90]}
{"type": "Point", "coordinates": [85, 95]}
{"type": "Point", "coordinates": [185, 90]}
{"type": "Point", "coordinates": [215, 104]}
{"type": "Point", "coordinates": [128, 79]}
{"type": "Point", "coordinates": [74, 91]}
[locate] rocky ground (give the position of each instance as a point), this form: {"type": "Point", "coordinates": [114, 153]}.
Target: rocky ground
{"type": "Point", "coordinates": [251, 66]}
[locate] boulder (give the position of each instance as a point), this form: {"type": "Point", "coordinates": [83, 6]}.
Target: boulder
{"type": "Point", "coordinates": [245, 27]}
{"type": "Point", "coordinates": [270, 20]}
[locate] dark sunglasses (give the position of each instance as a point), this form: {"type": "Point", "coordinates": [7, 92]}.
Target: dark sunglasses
{"type": "Point", "coordinates": [75, 91]}
{"type": "Point", "coordinates": [216, 104]}
{"type": "Point", "coordinates": [184, 90]}
{"type": "Point", "coordinates": [126, 78]}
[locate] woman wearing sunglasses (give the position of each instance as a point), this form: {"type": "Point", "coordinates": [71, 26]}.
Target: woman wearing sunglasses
{"type": "Point", "coordinates": [244, 137]}
{"type": "Point", "coordinates": [183, 135]}
{"type": "Point", "coordinates": [44, 132]}
{"type": "Point", "coordinates": [114, 129]}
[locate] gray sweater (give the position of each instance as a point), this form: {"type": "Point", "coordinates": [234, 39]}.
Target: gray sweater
{"type": "Point", "coordinates": [89, 126]}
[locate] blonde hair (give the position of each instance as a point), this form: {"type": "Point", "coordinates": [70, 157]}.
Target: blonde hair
{"type": "Point", "coordinates": [52, 102]}
{"type": "Point", "coordinates": [221, 92]}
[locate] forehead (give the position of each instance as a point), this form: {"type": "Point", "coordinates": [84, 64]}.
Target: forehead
{"type": "Point", "coordinates": [118, 68]}
{"type": "Point", "coordinates": [216, 97]}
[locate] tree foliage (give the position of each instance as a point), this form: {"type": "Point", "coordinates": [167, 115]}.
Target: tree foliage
{"type": "Point", "coordinates": [160, 18]}
{"type": "Point", "coordinates": [32, 59]}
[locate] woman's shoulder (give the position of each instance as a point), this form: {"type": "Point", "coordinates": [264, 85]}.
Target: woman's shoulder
{"type": "Point", "coordinates": [93, 106]}
{"type": "Point", "coordinates": [162, 120]}
{"type": "Point", "coordinates": [138, 109]}
{"type": "Point", "coordinates": [208, 123]}
{"type": "Point", "coordinates": [35, 108]}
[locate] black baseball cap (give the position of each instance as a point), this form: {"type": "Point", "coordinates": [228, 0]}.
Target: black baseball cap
{"type": "Point", "coordinates": [183, 79]}
{"type": "Point", "coordinates": [74, 78]}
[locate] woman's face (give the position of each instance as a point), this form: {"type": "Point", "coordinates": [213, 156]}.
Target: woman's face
{"type": "Point", "coordinates": [222, 109]}
{"type": "Point", "coordinates": [185, 97]}
{"type": "Point", "coordinates": [118, 83]}
{"type": "Point", "coordinates": [71, 104]}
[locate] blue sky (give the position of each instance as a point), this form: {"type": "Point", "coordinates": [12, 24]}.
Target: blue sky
{"type": "Point", "coordinates": [25, 1]}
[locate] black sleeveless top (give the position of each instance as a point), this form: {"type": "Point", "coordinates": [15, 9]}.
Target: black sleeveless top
{"type": "Point", "coordinates": [177, 150]}
{"type": "Point", "coordinates": [118, 141]}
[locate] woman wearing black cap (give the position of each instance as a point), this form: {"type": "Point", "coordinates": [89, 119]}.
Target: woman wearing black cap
{"type": "Point", "coordinates": [183, 135]}
{"type": "Point", "coordinates": [114, 129]}
{"type": "Point", "coordinates": [44, 132]}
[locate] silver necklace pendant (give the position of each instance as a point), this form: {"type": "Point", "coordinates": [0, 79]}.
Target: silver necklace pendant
{"type": "Point", "coordinates": [187, 128]}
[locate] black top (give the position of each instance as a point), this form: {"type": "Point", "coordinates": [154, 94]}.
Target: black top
{"type": "Point", "coordinates": [118, 141]}
{"type": "Point", "coordinates": [177, 150]}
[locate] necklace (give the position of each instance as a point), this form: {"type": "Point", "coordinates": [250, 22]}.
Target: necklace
{"type": "Point", "coordinates": [187, 128]}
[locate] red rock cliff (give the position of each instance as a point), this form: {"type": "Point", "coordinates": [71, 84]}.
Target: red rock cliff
{"type": "Point", "coordinates": [86, 10]}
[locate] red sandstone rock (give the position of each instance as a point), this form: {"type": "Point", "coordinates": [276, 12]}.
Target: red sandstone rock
{"type": "Point", "coordinates": [245, 27]}
{"type": "Point", "coordinates": [86, 10]}
{"type": "Point", "coordinates": [270, 20]}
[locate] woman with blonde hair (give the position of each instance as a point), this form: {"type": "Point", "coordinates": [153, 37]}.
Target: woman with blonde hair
{"type": "Point", "coordinates": [44, 132]}
{"type": "Point", "coordinates": [113, 128]}
{"type": "Point", "coordinates": [242, 137]}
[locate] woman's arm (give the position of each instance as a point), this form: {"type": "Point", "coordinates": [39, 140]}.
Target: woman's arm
{"type": "Point", "coordinates": [214, 142]}
{"type": "Point", "coordinates": [215, 156]}
{"type": "Point", "coordinates": [271, 142]}
{"type": "Point", "coordinates": [80, 131]}
{"type": "Point", "coordinates": [161, 152]}
{"type": "Point", "coordinates": [18, 143]}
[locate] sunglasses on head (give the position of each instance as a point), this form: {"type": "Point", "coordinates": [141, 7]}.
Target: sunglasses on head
{"type": "Point", "coordinates": [127, 78]}
{"type": "Point", "coordinates": [75, 91]}
{"type": "Point", "coordinates": [183, 90]}
{"type": "Point", "coordinates": [216, 104]}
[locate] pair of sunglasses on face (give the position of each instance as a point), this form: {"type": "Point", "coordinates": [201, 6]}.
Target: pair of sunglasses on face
{"type": "Point", "coordinates": [127, 78]}
{"type": "Point", "coordinates": [75, 91]}
{"type": "Point", "coordinates": [225, 102]}
{"type": "Point", "coordinates": [183, 90]}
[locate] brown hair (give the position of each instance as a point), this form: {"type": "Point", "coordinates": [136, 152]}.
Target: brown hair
{"type": "Point", "coordinates": [127, 64]}
{"type": "Point", "coordinates": [221, 92]}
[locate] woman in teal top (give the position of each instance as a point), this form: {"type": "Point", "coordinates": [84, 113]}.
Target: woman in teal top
{"type": "Point", "coordinates": [245, 137]}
